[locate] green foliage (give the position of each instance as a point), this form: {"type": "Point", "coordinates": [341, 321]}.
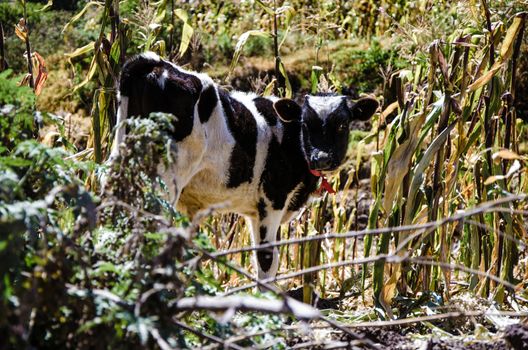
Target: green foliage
{"type": "Point", "coordinates": [16, 112]}
{"type": "Point", "coordinates": [46, 33]}
{"type": "Point", "coordinates": [363, 68]}
{"type": "Point", "coordinates": [114, 284]}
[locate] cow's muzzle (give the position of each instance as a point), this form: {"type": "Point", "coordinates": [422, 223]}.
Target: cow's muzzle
{"type": "Point", "coordinates": [320, 160]}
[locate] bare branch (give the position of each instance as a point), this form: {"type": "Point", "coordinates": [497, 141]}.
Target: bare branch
{"type": "Point", "coordinates": [247, 303]}
{"type": "Point", "coordinates": [389, 258]}
{"type": "Point", "coordinates": [225, 345]}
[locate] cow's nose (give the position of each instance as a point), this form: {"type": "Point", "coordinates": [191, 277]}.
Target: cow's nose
{"type": "Point", "coordinates": [320, 160]}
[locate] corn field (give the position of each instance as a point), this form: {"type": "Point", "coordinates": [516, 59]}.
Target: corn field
{"type": "Point", "coordinates": [423, 245]}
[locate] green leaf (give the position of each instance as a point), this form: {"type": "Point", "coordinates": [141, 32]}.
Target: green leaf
{"type": "Point", "coordinates": [265, 7]}
{"type": "Point", "coordinates": [15, 162]}
{"type": "Point", "coordinates": [268, 91]}
{"type": "Point", "coordinates": [81, 13]}
{"type": "Point", "coordinates": [187, 31]}
{"type": "Point", "coordinates": [81, 50]}
{"type": "Point", "coordinates": [240, 45]}
{"type": "Point", "coordinates": [289, 92]}
{"type": "Point", "coordinates": [47, 6]}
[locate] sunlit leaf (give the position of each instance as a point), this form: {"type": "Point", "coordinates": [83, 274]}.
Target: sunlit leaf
{"type": "Point", "coordinates": [399, 162]}
{"type": "Point", "coordinates": [21, 30]}
{"type": "Point", "coordinates": [89, 76]}
{"type": "Point", "coordinates": [42, 73]}
{"type": "Point", "coordinates": [241, 42]}
{"type": "Point", "coordinates": [268, 91]}
{"type": "Point", "coordinates": [505, 154]}
{"type": "Point", "coordinates": [483, 80]}
{"type": "Point", "coordinates": [511, 35]}
{"type": "Point", "coordinates": [47, 6]}
{"type": "Point", "coordinates": [265, 7]}
{"type": "Point", "coordinates": [81, 13]}
{"type": "Point", "coordinates": [289, 92]}
{"type": "Point", "coordinates": [515, 167]}
{"type": "Point", "coordinates": [81, 50]}
{"type": "Point", "coordinates": [187, 31]}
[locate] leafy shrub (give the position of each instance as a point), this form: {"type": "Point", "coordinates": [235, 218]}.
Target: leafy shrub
{"type": "Point", "coordinates": [363, 66]}
{"type": "Point", "coordinates": [16, 111]}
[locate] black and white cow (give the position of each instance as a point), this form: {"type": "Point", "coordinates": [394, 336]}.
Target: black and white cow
{"type": "Point", "coordinates": [256, 156]}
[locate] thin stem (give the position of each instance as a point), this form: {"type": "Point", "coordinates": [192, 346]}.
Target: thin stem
{"type": "Point", "coordinates": [28, 49]}
{"type": "Point", "coordinates": [2, 52]}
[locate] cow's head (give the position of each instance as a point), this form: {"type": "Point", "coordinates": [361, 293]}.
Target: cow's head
{"type": "Point", "coordinates": [325, 124]}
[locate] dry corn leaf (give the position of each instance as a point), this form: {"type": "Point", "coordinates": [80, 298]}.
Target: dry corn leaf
{"type": "Point", "coordinates": [42, 72]}
{"type": "Point", "coordinates": [21, 30]}
{"type": "Point", "coordinates": [398, 165]}
{"type": "Point", "coordinates": [268, 91]}
{"type": "Point", "coordinates": [483, 80]}
{"type": "Point", "coordinates": [81, 50]}
{"type": "Point", "coordinates": [505, 53]}
{"type": "Point", "coordinates": [505, 154]}
{"type": "Point", "coordinates": [387, 111]}
{"type": "Point", "coordinates": [516, 166]}
{"type": "Point", "coordinates": [25, 80]}
{"type": "Point", "coordinates": [511, 35]}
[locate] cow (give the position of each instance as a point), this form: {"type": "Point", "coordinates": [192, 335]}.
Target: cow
{"type": "Point", "coordinates": [260, 157]}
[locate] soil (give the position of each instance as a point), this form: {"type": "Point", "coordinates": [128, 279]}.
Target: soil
{"type": "Point", "coordinates": [407, 338]}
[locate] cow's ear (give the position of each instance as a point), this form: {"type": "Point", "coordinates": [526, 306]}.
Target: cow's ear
{"type": "Point", "coordinates": [363, 108]}
{"type": "Point", "coordinates": [288, 110]}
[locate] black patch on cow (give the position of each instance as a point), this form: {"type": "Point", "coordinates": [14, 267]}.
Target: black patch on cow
{"type": "Point", "coordinates": [261, 207]}
{"type": "Point", "coordinates": [243, 127]}
{"type": "Point", "coordinates": [158, 86]}
{"type": "Point", "coordinates": [265, 257]}
{"type": "Point", "coordinates": [263, 232]}
{"type": "Point", "coordinates": [276, 177]}
{"type": "Point", "coordinates": [286, 168]}
{"type": "Point", "coordinates": [207, 103]}
{"type": "Point", "coordinates": [302, 195]}
{"type": "Point", "coordinates": [265, 107]}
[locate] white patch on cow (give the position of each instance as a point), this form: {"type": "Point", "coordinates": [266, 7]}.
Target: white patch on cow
{"type": "Point", "coordinates": [163, 79]}
{"type": "Point", "coordinates": [151, 56]}
{"type": "Point", "coordinates": [263, 131]}
{"type": "Point", "coordinates": [120, 126]}
{"type": "Point", "coordinates": [214, 170]}
{"type": "Point", "coordinates": [247, 99]}
{"type": "Point", "coordinates": [187, 160]}
{"type": "Point", "coordinates": [272, 223]}
{"type": "Point", "coordinates": [220, 144]}
{"type": "Point", "coordinates": [288, 214]}
{"type": "Point", "coordinates": [324, 105]}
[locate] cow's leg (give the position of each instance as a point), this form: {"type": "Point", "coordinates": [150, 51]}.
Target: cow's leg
{"type": "Point", "coordinates": [264, 230]}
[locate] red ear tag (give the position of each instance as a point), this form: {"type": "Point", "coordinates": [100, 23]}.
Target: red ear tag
{"type": "Point", "coordinates": [325, 185]}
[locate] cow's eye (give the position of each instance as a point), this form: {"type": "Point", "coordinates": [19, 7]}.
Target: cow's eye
{"type": "Point", "coordinates": [342, 128]}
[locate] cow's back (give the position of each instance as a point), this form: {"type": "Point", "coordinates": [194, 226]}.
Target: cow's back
{"type": "Point", "coordinates": [155, 85]}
